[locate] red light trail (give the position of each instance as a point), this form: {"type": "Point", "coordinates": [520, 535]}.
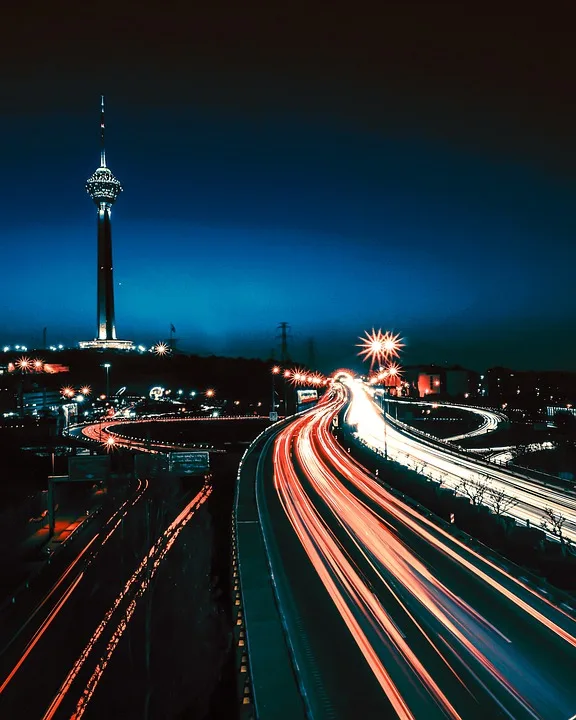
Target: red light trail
{"type": "Point", "coordinates": [309, 463]}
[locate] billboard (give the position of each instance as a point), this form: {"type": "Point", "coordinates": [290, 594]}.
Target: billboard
{"type": "Point", "coordinates": [89, 467]}
{"type": "Point", "coordinates": [189, 463]}
{"type": "Point", "coordinates": [306, 396]}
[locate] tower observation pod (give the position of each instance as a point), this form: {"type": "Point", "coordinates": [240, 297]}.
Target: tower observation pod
{"type": "Point", "coordinates": [104, 189]}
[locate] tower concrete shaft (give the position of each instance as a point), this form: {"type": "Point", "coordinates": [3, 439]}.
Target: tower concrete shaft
{"type": "Point", "coordinates": [105, 319]}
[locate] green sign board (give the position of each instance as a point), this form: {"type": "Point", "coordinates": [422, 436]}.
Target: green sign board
{"type": "Point", "coordinates": [189, 463]}
{"type": "Point", "coordinates": [89, 467]}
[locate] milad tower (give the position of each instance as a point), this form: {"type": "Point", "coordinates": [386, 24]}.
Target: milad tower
{"type": "Point", "coordinates": [104, 188]}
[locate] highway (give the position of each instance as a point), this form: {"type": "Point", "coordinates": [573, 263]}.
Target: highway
{"type": "Point", "coordinates": [58, 641]}
{"type": "Point", "coordinates": [388, 614]}
{"type": "Point", "coordinates": [106, 432]}
{"type": "Point", "coordinates": [441, 463]}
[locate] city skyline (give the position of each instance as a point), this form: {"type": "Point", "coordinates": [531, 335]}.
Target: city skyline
{"type": "Point", "coordinates": [316, 453]}
{"type": "Point", "coordinates": [453, 226]}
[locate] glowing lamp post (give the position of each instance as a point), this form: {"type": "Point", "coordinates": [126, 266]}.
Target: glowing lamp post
{"type": "Point", "coordinates": [286, 376]}
{"type": "Point", "coordinates": [379, 347]}
{"type": "Point", "coordinates": [107, 367]}
{"type": "Point", "coordinates": [273, 414]}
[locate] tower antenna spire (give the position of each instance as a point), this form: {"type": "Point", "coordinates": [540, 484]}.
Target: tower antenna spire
{"type": "Point", "coordinates": [102, 128]}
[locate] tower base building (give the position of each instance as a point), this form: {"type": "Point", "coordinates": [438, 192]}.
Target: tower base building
{"type": "Point", "coordinates": [106, 345]}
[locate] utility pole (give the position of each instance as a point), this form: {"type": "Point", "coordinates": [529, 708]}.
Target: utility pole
{"type": "Point", "coordinates": [172, 341]}
{"type": "Point", "coordinates": [284, 328]}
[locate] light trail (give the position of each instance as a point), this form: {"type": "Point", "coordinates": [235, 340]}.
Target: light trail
{"type": "Point", "coordinates": [123, 623]}
{"type": "Point", "coordinates": [99, 432]}
{"type": "Point", "coordinates": [437, 462]}
{"type": "Point", "coordinates": [140, 490]}
{"type": "Point", "coordinates": [40, 632]}
{"type": "Point", "coordinates": [374, 522]}
{"type": "Point", "coordinates": [490, 419]}
{"type": "Point", "coordinates": [47, 597]}
{"type": "Point", "coordinates": [130, 590]}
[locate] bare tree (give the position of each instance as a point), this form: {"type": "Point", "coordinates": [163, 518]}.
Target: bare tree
{"type": "Point", "coordinates": [441, 478]}
{"type": "Point", "coordinates": [499, 501]}
{"type": "Point", "coordinates": [553, 523]}
{"type": "Point", "coordinates": [419, 467]}
{"type": "Point", "coordinates": [475, 489]}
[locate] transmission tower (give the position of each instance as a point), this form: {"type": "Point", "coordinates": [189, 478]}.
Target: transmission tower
{"type": "Point", "coordinates": [284, 329]}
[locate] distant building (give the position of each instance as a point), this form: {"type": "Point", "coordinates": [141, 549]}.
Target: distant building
{"type": "Point", "coordinates": [429, 383]}
{"type": "Point", "coordinates": [553, 410]}
{"type": "Point", "coordinates": [36, 402]}
{"type": "Point", "coordinates": [445, 381]}
{"type": "Point", "coordinates": [530, 388]}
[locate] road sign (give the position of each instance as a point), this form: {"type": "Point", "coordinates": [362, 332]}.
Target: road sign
{"type": "Point", "coordinates": [273, 416]}
{"type": "Point", "coordinates": [89, 467]}
{"type": "Point", "coordinates": [306, 396]}
{"type": "Point", "coordinates": [189, 463]}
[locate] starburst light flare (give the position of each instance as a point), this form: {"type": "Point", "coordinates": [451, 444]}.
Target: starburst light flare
{"type": "Point", "coordinates": [161, 348]}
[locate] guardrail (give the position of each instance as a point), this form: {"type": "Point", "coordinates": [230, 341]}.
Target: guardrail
{"type": "Point", "coordinates": [268, 684]}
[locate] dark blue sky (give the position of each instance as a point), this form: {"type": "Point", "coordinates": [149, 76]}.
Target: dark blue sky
{"type": "Point", "coordinates": [269, 192]}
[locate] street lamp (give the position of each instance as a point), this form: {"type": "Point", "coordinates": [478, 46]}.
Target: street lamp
{"type": "Point", "coordinates": [275, 371]}
{"type": "Point", "coordinates": [378, 347]}
{"type": "Point", "coordinates": [107, 367]}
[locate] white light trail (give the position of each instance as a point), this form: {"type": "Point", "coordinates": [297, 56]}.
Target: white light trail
{"type": "Point", "coordinates": [439, 462]}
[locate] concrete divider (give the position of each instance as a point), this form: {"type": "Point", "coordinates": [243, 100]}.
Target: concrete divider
{"type": "Point", "coordinates": [268, 686]}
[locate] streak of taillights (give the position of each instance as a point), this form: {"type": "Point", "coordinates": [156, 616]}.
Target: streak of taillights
{"type": "Point", "coordinates": [155, 555]}
{"type": "Point", "coordinates": [41, 630]}
{"type": "Point", "coordinates": [140, 490]}
{"type": "Point", "coordinates": [316, 450]}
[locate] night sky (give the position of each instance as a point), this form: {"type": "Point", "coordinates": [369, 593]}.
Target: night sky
{"type": "Point", "coordinates": [410, 169]}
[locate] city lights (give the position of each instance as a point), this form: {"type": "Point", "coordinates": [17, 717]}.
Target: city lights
{"type": "Point", "coordinates": [393, 369]}
{"type": "Point", "coordinates": [109, 443]}
{"type": "Point", "coordinates": [24, 364]}
{"type": "Point", "coordinates": [161, 349]}
{"type": "Point", "coordinates": [377, 346]}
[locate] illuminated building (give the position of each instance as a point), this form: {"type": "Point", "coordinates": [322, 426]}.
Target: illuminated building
{"type": "Point", "coordinates": [451, 381]}
{"type": "Point", "coordinates": [104, 188]}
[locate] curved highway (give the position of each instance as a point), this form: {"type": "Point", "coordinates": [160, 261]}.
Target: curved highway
{"type": "Point", "coordinates": [490, 419]}
{"type": "Point", "coordinates": [387, 613]}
